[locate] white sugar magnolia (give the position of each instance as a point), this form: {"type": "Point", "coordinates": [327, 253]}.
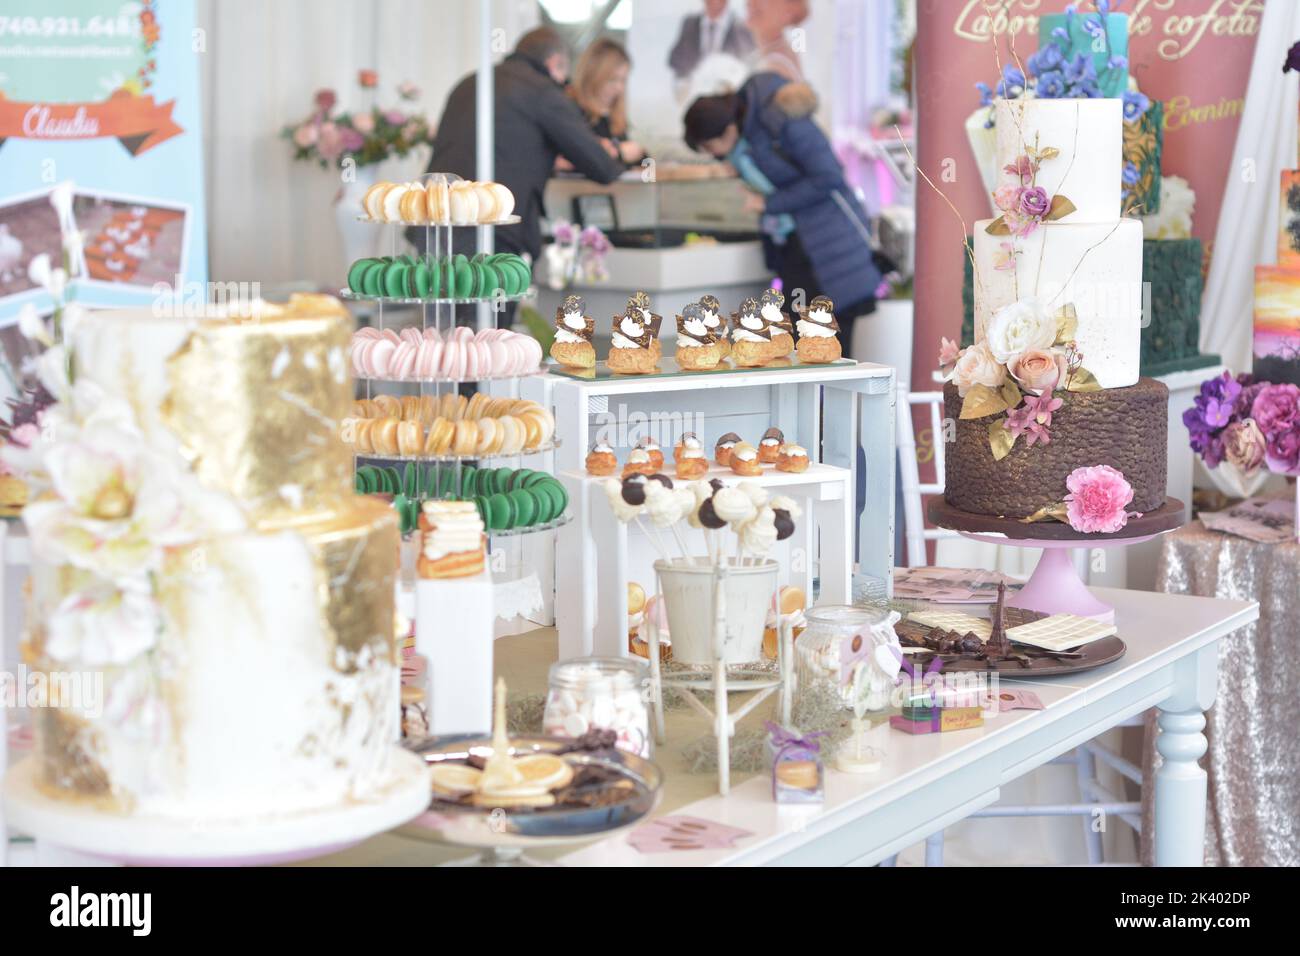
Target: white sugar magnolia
{"type": "Point", "coordinates": [111, 504]}
{"type": "Point", "coordinates": [105, 625]}
{"type": "Point", "coordinates": [1019, 327]}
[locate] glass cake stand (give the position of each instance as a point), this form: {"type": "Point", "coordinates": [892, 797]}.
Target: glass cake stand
{"type": "Point", "coordinates": [504, 835]}
{"type": "Point", "coordinates": [142, 840]}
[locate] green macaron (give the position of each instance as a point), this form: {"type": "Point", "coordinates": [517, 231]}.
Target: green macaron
{"type": "Point", "coordinates": [356, 272]}
{"type": "Point", "coordinates": [411, 480]}
{"type": "Point", "coordinates": [372, 280]}
{"type": "Point", "coordinates": [464, 276]}
{"type": "Point", "coordinates": [395, 280]}
{"type": "Point", "coordinates": [392, 481]}
{"type": "Point", "coordinates": [525, 506]}
{"type": "Point", "coordinates": [423, 279]}
{"type": "Point", "coordinates": [501, 513]}
{"type": "Point", "coordinates": [501, 479]}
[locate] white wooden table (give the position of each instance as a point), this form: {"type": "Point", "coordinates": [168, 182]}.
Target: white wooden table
{"type": "Point", "coordinates": [929, 782]}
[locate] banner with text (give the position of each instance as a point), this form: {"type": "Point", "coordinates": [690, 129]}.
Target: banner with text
{"type": "Point", "coordinates": [103, 94]}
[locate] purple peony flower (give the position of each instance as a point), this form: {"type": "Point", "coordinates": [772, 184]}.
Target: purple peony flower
{"type": "Point", "coordinates": [1034, 202]}
{"type": "Point", "coordinates": [1276, 411]}
{"type": "Point", "coordinates": [1282, 453]}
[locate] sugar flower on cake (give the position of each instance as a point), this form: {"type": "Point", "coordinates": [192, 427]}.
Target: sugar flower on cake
{"type": "Point", "coordinates": [1033, 418]}
{"type": "Point", "coordinates": [103, 626]}
{"type": "Point", "coordinates": [1098, 500]}
{"type": "Point", "coordinates": [1020, 327]}
{"type": "Point", "coordinates": [1038, 370]}
{"type": "Point", "coordinates": [977, 366]}
{"type": "Point", "coordinates": [110, 502]}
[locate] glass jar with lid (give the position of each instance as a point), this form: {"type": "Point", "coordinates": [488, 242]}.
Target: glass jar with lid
{"type": "Point", "coordinates": [838, 637]}
{"type": "Point", "coordinates": [600, 693]}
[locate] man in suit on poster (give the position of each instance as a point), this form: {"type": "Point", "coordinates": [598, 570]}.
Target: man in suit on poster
{"type": "Point", "coordinates": [716, 30]}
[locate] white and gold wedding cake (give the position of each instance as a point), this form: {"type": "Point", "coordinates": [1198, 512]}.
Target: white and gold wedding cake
{"type": "Point", "coordinates": [197, 543]}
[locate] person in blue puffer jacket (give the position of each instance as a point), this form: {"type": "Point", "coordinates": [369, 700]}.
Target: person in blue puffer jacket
{"type": "Point", "coordinates": [816, 236]}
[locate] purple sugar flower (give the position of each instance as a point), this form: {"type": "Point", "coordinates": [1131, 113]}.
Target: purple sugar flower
{"type": "Point", "coordinates": [1135, 105]}
{"type": "Point", "coordinates": [1034, 202]}
{"type": "Point", "coordinates": [1051, 85]}
{"type": "Point", "coordinates": [1033, 419]}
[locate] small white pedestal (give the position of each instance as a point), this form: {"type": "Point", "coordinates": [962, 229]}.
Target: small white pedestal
{"type": "Point", "coordinates": [454, 621]}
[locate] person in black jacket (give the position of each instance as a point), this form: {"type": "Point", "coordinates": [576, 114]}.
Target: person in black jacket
{"type": "Point", "coordinates": [535, 122]}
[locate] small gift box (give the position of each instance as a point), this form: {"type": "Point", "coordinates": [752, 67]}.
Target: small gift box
{"type": "Point", "coordinates": [935, 720]}
{"type": "Point", "coordinates": [796, 761]}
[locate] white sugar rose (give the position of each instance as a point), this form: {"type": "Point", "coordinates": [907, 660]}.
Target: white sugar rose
{"type": "Point", "coordinates": [977, 366]}
{"type": "Point", "coordinates": [1019, 327]}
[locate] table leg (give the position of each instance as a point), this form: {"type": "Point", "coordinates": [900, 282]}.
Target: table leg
{"type": "Point", "coordinates": [1180, 782]}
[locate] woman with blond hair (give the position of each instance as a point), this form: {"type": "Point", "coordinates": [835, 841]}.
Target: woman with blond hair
{"type": "Point", "coordinates": [599, 87]}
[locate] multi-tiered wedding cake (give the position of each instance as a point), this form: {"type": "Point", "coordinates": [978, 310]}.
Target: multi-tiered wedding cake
{"type": "Point", "coordinates": [199, 546]}
{"type": "Point", "coordinates": [1051, 384]}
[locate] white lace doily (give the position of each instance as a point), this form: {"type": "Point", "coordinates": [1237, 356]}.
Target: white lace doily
{"type": "Point", "coordinates": [517, 596]}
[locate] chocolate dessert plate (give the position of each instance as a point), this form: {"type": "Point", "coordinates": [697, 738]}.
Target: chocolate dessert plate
{"type": "Point", "coordinates": [1092, 655]}
{"type": "Point", "coordinates": [1172, 514]}
{"type": "Point", "coordinates": [621, 789]}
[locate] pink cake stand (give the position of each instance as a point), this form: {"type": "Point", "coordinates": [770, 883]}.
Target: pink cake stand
{"type": "Point", "coordinates": [1055, 586]}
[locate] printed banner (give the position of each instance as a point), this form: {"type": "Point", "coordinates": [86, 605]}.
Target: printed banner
{"type": "Point", "coordinates": [103, 94]}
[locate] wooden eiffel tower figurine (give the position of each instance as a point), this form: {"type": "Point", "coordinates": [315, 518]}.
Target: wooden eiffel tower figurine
{"type": "Point", "coordinates": [998, 645]}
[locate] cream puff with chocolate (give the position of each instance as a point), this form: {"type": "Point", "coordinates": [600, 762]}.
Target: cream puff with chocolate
{"type": "Point", "coordinates": [751, 338]}
{"type": "Point", "coordinates": [573, 334]}
{"type": "Point", "coordinates": [651, 448]}
{"type": "Point", "coordinates": [744, 460]}
{"type": "Point", "coordinates": [819, 341]}
{"type": "Point", "coordinates": [601, 460]}
{"type": "Point", "coordinates": [722, 450]}
{"type": "Point", "coordinates": [769, 446]}
{"type": "Point", "coordinates": [630, 351]}
{"type": "Point", "coordinates": [711, 312]}
{"type": "Point", "coordinates": [779, 324]}
{"type": "Point", "coordinates": [792, 458]}
{"type": "Point", "coordinates": [697, 345]}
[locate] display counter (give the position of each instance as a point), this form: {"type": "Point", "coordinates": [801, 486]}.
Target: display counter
{"type": "Point", "coordinates": [653, 216]}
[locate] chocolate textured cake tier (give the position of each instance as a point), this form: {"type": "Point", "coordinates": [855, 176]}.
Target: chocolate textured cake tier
{"type": "Point", "coordinates": [1121, 427]}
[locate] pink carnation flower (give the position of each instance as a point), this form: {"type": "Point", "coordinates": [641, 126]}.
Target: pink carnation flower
{"type": "Point", "coordinates": [1098, 500]}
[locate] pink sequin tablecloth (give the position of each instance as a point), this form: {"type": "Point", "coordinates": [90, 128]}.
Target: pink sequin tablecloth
{"type": "Point", "coordinates": [1253, 761]}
